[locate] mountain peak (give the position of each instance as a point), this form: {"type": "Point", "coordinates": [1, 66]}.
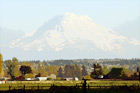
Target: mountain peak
{"type": "Point", "coordinates": [75, 16]}
{"type": "Point", "coordinates": [73, 32]}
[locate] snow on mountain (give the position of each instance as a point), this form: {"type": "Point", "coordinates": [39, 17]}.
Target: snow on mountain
{"type": "Point", "coordinates": [76, 32]}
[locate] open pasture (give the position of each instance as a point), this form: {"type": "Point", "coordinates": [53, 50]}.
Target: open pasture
{"type": "Point", "coordinates": [10, 85]}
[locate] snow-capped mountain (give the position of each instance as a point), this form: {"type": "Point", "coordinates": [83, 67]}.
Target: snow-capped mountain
{"type": "Point", "coordinates": [75, 33]}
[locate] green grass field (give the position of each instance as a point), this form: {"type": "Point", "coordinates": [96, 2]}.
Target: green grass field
{"type": "Point", "coordinates": [35, 84]}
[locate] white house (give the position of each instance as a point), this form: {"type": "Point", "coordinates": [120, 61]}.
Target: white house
{"type": "Point", "coordinates": [100, 77]}
{"type": "Point", "coordinates": [76, 79]}
{"type": "Point", "coordinates": [28, 78]}
{"type": "Point", "coordinates": [42, 78]}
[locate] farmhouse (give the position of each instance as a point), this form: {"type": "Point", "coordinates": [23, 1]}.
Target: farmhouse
{"type": "Point", "coordinates": [70, 78]}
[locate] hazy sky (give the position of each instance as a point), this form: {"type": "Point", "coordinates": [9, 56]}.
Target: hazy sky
{"type": "Point", "coordinates": [29, 15]}
{"type": "Point", "coordinates": [123, 16]}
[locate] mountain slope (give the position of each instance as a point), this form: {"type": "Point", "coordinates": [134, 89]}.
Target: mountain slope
{"type": "Point", "coordinates": [74, 33]}
{"type": "Point", "coordinates": [6, 35]}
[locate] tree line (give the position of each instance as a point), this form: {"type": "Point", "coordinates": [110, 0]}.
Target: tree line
{"type": "Point", "coordinates": [14, 68]}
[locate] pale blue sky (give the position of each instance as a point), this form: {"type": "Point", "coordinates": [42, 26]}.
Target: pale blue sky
{"type": "Point", "coordinates": [29, 15]}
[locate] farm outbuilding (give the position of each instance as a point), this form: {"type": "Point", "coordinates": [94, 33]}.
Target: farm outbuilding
{"type": "Point", "coordinates": [76, 79]}
{"type": "Point", "coordinates": [52, 76]}
{"type": "Point", "coordinates": [42, 78]}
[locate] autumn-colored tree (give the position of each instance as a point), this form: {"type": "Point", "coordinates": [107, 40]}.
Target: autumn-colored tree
{"type": "Point", "coordinates": [30, 75]}
{"type": "Point", "coordinates": [52, 69]}
{"type": "Point", "coordinates": [1, 64]}
{"type": "Point", "coordinates": [42, 69]}
{"type": "Point", "coordinates": [5, 73]}
{"type": "Point", "coordinates": [87, 77]}
{"type": "Point", "coordinates": [105, 70]}
{"type": "Point", "coordinates": [127, 74]}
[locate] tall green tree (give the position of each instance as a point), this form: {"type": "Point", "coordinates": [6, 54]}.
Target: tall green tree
{"type": "Point", "coordinates": [1, 63]}
{"type": "Point", "coordinates": [16, 69]}
{"type": "Point", "coordinates": [11, 65]}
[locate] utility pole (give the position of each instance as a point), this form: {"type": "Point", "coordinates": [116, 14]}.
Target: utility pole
{"type": "Point", "coordinates": [138, 70]}
{"type": "Point", "coordinates": [84, 85]}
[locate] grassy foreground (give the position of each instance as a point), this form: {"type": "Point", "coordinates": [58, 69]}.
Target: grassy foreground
{"type": "Point", "coordinates": [45, 85]}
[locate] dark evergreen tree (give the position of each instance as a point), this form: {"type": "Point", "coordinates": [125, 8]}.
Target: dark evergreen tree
{"type": "Point", "coordinates": [84, 71]}
{"type": "Point", "coordinates": [97, 71]}
{"type": "Point", "coordinates": [72, 71]}
{"type": "Point", "coordinates": [78, 72]}
{"type": "Point", "coordinates": [116, 73]}
{"type": "Point", "coordinates": [67, 71]}
{"type": "Point", "coordinates": [60, 72]}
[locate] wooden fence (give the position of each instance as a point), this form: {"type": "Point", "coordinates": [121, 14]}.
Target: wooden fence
{"type": "Point", "coordinates": [55, 87]}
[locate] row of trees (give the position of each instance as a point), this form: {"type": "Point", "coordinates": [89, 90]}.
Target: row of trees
{"type": "Point", "coordinates": [72, 71]}
{"type": "Point", "coordinates": [114, 73]}
{"type": "Point", "coordinates": [14, 68]}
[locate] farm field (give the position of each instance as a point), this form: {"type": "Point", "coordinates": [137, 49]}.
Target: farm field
{"type": "Point", "coordinates": [27, 85]}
